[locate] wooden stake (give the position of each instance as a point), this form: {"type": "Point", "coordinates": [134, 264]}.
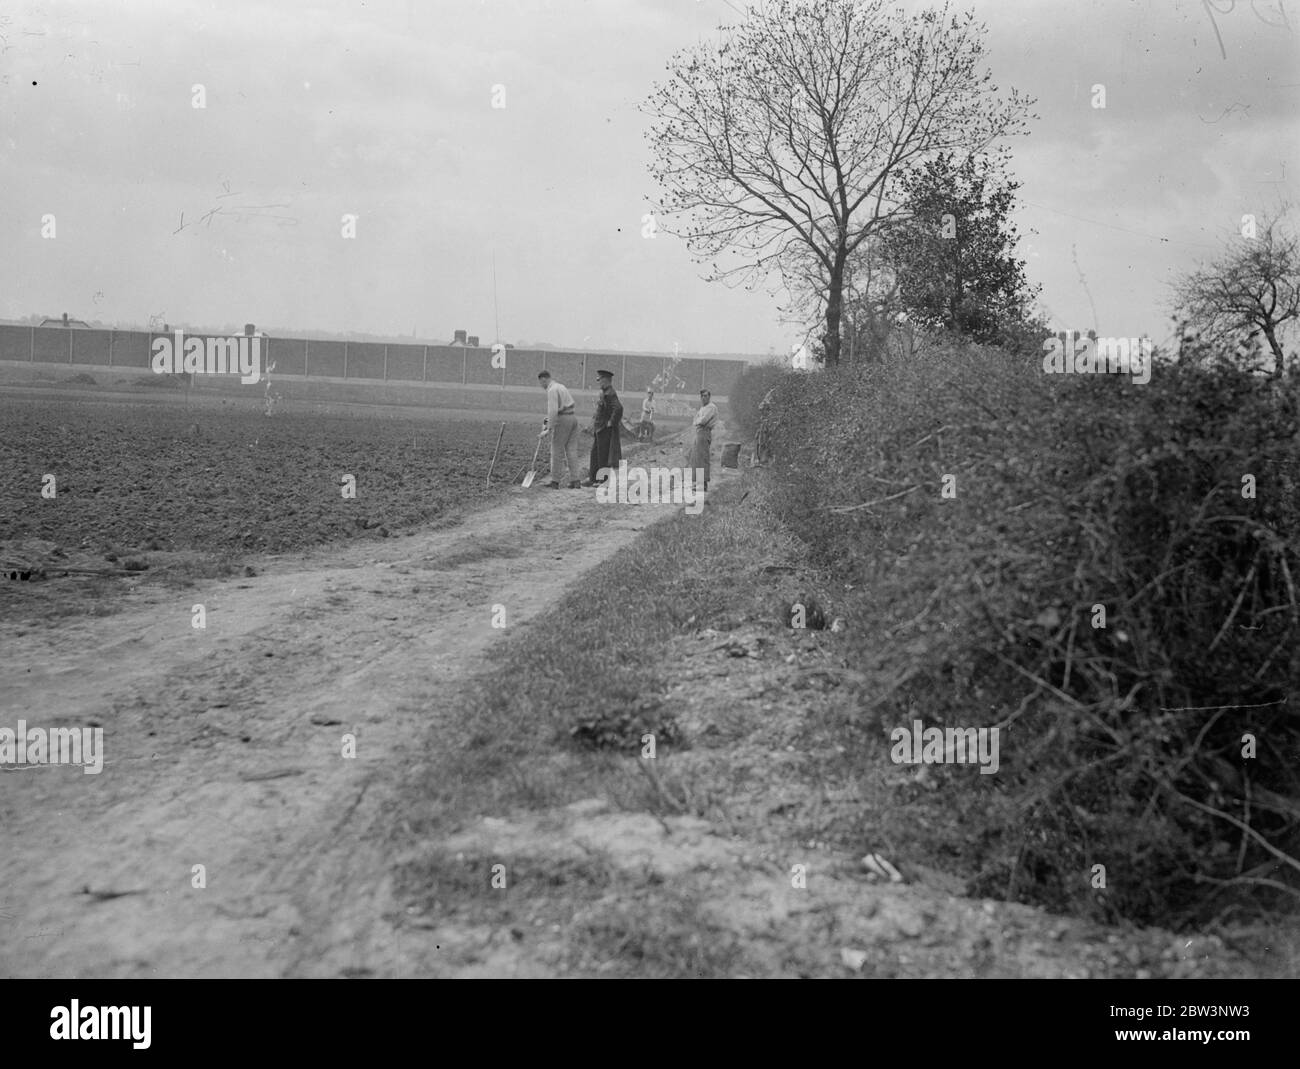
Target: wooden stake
{"type": "Point", "coordinates": [494, 455]}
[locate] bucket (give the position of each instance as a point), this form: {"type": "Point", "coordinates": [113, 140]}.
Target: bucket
{"type": "Point", "coordinates": [731, 455]}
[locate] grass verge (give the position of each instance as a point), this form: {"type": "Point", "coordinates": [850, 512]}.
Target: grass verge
{"type": "Point", "coordinates": [767, 733]}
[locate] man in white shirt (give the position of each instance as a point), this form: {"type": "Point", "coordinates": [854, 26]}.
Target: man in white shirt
{"type": "Point", "coordinates": [563, 426]}
{"type": "Point", "coordinates": [702, 446]}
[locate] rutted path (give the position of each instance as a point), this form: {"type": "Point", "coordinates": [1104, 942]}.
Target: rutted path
{"type": "Point", "coordinates": [223, 746]}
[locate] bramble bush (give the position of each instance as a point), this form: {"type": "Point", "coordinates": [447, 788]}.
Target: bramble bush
{"type": "Point", "coordinates": [748, 393]}
{"type": "Point", "coordinates": [1113, 582]}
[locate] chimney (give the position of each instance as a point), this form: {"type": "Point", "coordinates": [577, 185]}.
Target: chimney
{"type": "Point", "coordinates": [458, 338]}
{"type": "Point", "coordinates": [248, 329]}
{"type": "Point", "coordinates": [472, 341]}
{"type": "Point", "coordinates": [65, 319]}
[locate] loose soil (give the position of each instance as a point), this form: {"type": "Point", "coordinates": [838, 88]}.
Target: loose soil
{"type": "Point", "coordinates": [210, 477]}
{"type": "Point", "coordinates": [224, 745]}
{"type": "Point", "coordinates": [225, 749]}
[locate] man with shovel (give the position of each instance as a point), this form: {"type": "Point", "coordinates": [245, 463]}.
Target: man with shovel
{"type": "Point", "coordinates": [563, 427]}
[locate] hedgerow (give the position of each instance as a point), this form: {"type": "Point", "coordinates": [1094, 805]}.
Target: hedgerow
{"type": "Point", "coordinates": [1109, 577]}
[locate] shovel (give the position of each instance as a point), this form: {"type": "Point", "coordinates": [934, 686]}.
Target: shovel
{"type": "Point", "coordinates": [532, 473]}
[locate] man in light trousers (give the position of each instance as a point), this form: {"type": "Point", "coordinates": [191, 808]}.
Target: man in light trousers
{"type": "Point", "coordinates": [563, 427]}
{"type": "Point", "coordinates": [702, 446]}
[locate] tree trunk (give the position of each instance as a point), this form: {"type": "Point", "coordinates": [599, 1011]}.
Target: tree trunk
{"type": "Point", "coordinates": [1278, 359]}
{"type": "Point", "coordinates": [955, 322]}
{"type": "Point", "coordinates": [834, 309]}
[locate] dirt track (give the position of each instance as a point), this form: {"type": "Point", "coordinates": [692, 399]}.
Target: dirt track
{"type": "Point", "coordinates": [223, 747]}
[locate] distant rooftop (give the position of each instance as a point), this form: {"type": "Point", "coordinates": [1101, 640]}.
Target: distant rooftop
{"type": "Point", "coordinates": [65, 322]}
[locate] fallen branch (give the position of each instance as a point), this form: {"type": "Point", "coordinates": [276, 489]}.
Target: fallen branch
{"type": "Point", "coordinates": [46, 573]}
{"type": "Point", "coordinates": [925, 609]}
{"type": "Point", "coordinates": [1290, 586]}
{"type": "Point", "coordinates": [1277, 885]}
{"type": "Point", "coordinates": [1286, 859]}
{"type": "Point", "coordinates": [927, 437]}
{"type": "Point", "coordinates": [1223, 628]}
{"type": "Point", "coordinates": [868, 504]}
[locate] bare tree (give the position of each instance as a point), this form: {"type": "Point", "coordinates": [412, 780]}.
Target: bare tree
{"type": "Point", "coordinates": [1252, 289]}
{"type": "Point", "coordinates": [785, 142]}
{"type": "Point", "coordinates": [871, 306]}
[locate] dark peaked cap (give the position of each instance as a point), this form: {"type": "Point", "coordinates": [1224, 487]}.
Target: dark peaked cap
{"type": "Point", "coordinates": [606, 374]}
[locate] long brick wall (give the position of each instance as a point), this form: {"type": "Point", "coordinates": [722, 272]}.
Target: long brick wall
{"type": "Point", "coordinates": [396, 363]}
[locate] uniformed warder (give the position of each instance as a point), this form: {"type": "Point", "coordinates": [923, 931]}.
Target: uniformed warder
{"type": "Point", "coordinates": [607, 446]}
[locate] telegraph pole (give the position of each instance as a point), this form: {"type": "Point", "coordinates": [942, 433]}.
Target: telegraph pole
{"type": "Point", "coordinates": [496, 311]}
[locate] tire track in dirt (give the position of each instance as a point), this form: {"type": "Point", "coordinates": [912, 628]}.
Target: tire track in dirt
{"type": "Point", "coordinates": [223, 746]}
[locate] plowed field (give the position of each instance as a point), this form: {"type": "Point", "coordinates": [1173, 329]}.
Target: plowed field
{"type": "Point", "coordinates": [130, 478]}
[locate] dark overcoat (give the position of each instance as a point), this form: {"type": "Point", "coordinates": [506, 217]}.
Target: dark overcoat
{"type": "Point", "coordinates": [606, 446]}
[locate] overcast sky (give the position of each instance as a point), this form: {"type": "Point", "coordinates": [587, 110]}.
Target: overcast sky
{"type": "Point", "coordinates": [383, 109]}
